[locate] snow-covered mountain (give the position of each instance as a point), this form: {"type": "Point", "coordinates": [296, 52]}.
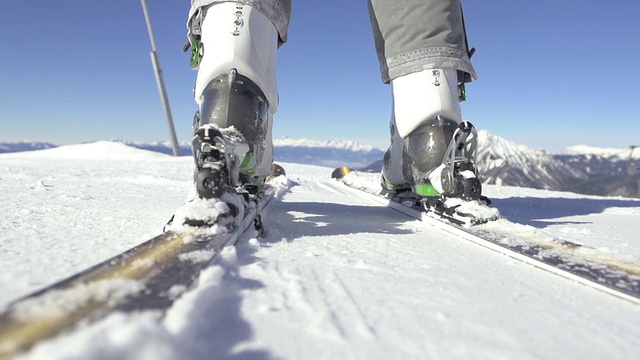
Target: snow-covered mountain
{"type": "Point", "coordinates": [579, 169]}
{"type": "Point", "coordinates": [332, 153]}
{"type": "Point", "coordinates": [612, 172]}
{"type": "Point", "coordinates": [335, 144]}
{"type": "Point", "coordinates": [503, 162]}
{"type": "Point", "coordinates": [10, 147]}
{"type": "Point", "coordinates": [160, 146]}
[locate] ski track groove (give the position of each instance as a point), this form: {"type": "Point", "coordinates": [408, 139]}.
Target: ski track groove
{"type": "Point", "coordinates": [363, 326]}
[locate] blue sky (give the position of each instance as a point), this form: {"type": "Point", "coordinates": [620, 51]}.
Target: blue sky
{"type": "Point", "coordinates": [553, 73]}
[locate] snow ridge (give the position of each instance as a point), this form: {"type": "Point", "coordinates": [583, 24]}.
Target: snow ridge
{"type": "Point", "coordinates": [99, 150]}
{"type": "Point", "coordinates": [165, 147]}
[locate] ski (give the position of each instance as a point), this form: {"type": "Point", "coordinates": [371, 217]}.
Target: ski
{"type": "Point", "coordinates": [462, 212]}
{"type": "Point", "coordinates": [149, 276]}
{"type": "Point", "coordinates": [562, 258]}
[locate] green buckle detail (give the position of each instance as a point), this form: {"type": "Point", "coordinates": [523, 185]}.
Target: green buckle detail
{"type": "Point", "coordinates": [462, 92]}
{"type": "Point", "coordinates": [425, 190]}
{"type": "Point", "coordinates": [197, 51]}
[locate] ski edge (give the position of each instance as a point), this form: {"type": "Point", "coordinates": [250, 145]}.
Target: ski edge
{"type": "Point", "coordinates": [514, 254]}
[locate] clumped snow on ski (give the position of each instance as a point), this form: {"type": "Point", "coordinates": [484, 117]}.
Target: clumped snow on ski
{"type": "Point", "coordinates": [336, 276]}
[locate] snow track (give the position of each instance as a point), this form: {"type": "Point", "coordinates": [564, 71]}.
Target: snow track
{"type": "Point", "coordinates": [336, 276]}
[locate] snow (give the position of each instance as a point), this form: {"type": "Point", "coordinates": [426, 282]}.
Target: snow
{"type": "Point", "coordinates": [63, 215]}
{"type": "Point", "coordinates": [336, 276]}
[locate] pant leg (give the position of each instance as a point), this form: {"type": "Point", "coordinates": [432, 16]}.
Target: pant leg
{"type": "Point", "coordinates": [415, 35]}
{"type": "Point", "coordinates": [278, 11]}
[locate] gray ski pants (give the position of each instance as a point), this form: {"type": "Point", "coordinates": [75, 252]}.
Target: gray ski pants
{"type": "Point", "coordinates": [410, 35]}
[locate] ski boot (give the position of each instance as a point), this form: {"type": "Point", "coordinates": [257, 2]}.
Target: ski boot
{"type": "Point", "coordinates": [234, 50]}
{"type": "Point", "coordinates": [426, 113]}
{"type": "Point", "coordinates": [432, 154]}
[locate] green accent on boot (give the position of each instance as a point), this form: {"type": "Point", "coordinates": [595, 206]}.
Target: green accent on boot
{"type": "Point", "coordinates": [462, 92]}
{"type": "Point", "coordinates": [197, 51]}
{"type": "Point", "coordinates": [246, 167]}
{"type": "Point", "coordinates": [393, 187]}
{"type": "Point", "coordinates": [425, 190]}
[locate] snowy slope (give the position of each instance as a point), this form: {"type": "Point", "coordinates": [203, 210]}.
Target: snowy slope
{"type": "Point", "coordinates": [67, 208]}
{"type": "Point", "coordinates": [581, 169]}
{"type": "Point", "coordinates": [336, 277]}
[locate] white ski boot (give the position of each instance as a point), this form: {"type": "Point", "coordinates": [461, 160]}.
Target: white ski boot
{"type": "Point", "coordinates": [234, 49]}
{"type": "Point", "coordinates": [432, 152]}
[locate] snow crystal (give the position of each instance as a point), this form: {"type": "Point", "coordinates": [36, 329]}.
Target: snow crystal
{"type": "Point", "coordinates": [197, 256]}
{"type": "Point", "coordinates": [175, 291]}
{"type": "Point", "coordinates": [281, 184]}
{"type": "Point", "coordinates": [253, 242]}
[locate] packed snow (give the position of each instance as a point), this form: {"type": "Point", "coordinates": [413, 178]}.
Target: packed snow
{"type": "Point", "coordinates": [336, 276]}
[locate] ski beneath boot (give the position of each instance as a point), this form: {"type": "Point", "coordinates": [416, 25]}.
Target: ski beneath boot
{"type": "Point", "coordinates": [150, 276]}
{"type": "Point", "coordinates": [569, 260]}
{"type": "Point", "coordinates": [458, 211]}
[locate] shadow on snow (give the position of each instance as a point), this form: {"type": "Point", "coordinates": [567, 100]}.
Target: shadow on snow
{"type": "Point", "coordinates": [308, 219]}
{"type": "Point", "coordinates": [542, 212]}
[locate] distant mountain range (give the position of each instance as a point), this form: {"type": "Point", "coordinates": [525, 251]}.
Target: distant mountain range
{"type": "Point", "coordinates": [24, 146]}
{"type": "Point", "coordinates": [332, 153]}
{"type": "Point", "coordinates": [580, 169]}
